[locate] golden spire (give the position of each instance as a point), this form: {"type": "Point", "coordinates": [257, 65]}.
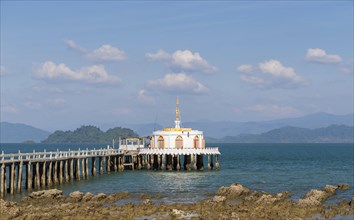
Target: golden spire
{"type": "Point", "coordinates": [177, 109]}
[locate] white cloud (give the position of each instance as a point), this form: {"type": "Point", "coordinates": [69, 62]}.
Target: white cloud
{"type": "Point", "coordinates": [320, 55]}
{"type": "Point", "coordinates": [104, 53]}
{"type": "Point", "coordinates": [159, 55]}
{"type": "Point", "coordinates": [72, 45]}
{"type": "Point", "coordinates": [191, 61]}
{"type": "Point", "coordinates": [144, 97]}
{"type": "Point", "coordinates": [95, 74]}
{"type": "Point", "coordinates": [177, 82]}
{"type": "Point", "coordinates": [271, 74]}
{"type": "Point", "coordinates": [245, 68]}
{"type": "Point", "coordinates": [8, 109]}
{"type": "Point", "coordinates": [183, 60]}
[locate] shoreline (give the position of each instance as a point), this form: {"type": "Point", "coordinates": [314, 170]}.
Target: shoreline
{"type": "Point", "coordinates": [232, 202]}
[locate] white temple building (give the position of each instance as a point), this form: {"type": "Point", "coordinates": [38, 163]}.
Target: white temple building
{"type": "Point", "coordinates": [167, 147]}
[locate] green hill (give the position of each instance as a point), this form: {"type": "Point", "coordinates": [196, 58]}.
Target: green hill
{"type": "Point", "coordinates": [88, 134]}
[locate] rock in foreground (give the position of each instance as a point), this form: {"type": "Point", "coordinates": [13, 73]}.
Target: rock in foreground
{"type": "Point", "coordinates": [233, 202]}
{"type": "Point", "coordinates": [49, 194]}
{"type": "Point", "coordinates": [233, 191]}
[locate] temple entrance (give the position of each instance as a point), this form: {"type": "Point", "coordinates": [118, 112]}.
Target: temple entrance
{"type": "Point", "coordinates": [196, 142]}
{"type": "Point", "coordinates": [179, 142]}
{"type": "Point", "coordinates": [161, 143]}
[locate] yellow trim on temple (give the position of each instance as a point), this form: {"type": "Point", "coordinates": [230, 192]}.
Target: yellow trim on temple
{"type": "Point", "coordinates": [177, 129]}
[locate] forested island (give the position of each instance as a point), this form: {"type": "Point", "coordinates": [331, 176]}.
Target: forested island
{"type": "Point", "coordinates": [88, 134]}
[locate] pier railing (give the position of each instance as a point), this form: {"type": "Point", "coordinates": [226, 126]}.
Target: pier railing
{"type": "Point", "coordinates": [175, 151]}
{"type": "Point", "coordinates": [41, 156]}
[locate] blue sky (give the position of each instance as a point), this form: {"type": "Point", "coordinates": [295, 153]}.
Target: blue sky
{"type": "Point", "coordinates": [106, 63]}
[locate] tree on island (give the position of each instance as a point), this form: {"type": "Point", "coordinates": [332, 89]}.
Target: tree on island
{"type": "Point", "coordinates": [88, 134]}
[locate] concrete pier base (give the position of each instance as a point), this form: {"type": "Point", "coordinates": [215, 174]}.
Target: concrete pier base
{"type": "Point", "coordinates": [178, 165]}
{"type": "Point", "coordinates": [187, 162]}
{"type": "Point", "coordinates": [163, 162]}
{"type": "Point", "coordinates": [200, 165]}
{"type": "Point", "coordinates": [169, 163]}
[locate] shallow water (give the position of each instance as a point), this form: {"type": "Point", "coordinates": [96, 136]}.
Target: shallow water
{"type": "Point", "coordinates": [266, 167]}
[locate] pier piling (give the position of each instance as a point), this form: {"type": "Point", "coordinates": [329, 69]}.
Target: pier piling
{"type": "Point", "coordinates": [43, 178]}
{"type": "Point", "coordinates": [50, 170]}
{"type": "Point", "coordinates": [3, 180]}
{"type": "Point", "coordinates": [93, 168]}
{"type": "Point", "coordinates": [55, 172]}
{"type": "Point", "coordinates": [19, 178]}
{"type": "Point", "coordinates": [100, 165]}
{"type": "Point", "coordinates": [37, 178]}
{"type": "Point", "coordinates": [66, 171]}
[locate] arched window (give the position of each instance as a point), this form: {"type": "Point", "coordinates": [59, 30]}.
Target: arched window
{"type": "Point", "coordinates": [196, 142]}
{"type": "Point", "coordinates": [179, 142]}
{"type": "Point", "coordinates": [161, 143]}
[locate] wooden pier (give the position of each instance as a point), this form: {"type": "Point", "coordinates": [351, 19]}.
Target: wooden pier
{"type": "Point", "coordinates": [44, 169]}
{"type": "Point", "coordinates": [38, 170]}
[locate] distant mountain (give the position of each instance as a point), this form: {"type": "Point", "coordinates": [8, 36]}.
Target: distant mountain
{"type": "Point", "coordinates": [219, 129]}
{"type": "Point", "coordinates": [88, 134]}
{"type": "Point", "coordinates": [18, 133]}
{"type": "Point", "coordinates": [213, 129]}
{"type": "Point", "coordinates": [330, 134]}
{"type": "Point", "coordinates": [227, 128]}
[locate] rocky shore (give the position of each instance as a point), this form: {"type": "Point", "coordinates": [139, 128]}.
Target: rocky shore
{"type": "Point", "coordinates": [233, 202]}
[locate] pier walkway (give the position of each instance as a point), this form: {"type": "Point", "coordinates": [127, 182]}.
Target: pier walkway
{"type": "Point", "coordinates": [38, 170]}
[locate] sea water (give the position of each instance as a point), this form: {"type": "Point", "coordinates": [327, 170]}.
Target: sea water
{"type": "Point", "coordinates": [273, 168]}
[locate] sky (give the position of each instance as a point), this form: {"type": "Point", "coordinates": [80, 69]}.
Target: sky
{"type": "Point", "coordinates": [106, 63]}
